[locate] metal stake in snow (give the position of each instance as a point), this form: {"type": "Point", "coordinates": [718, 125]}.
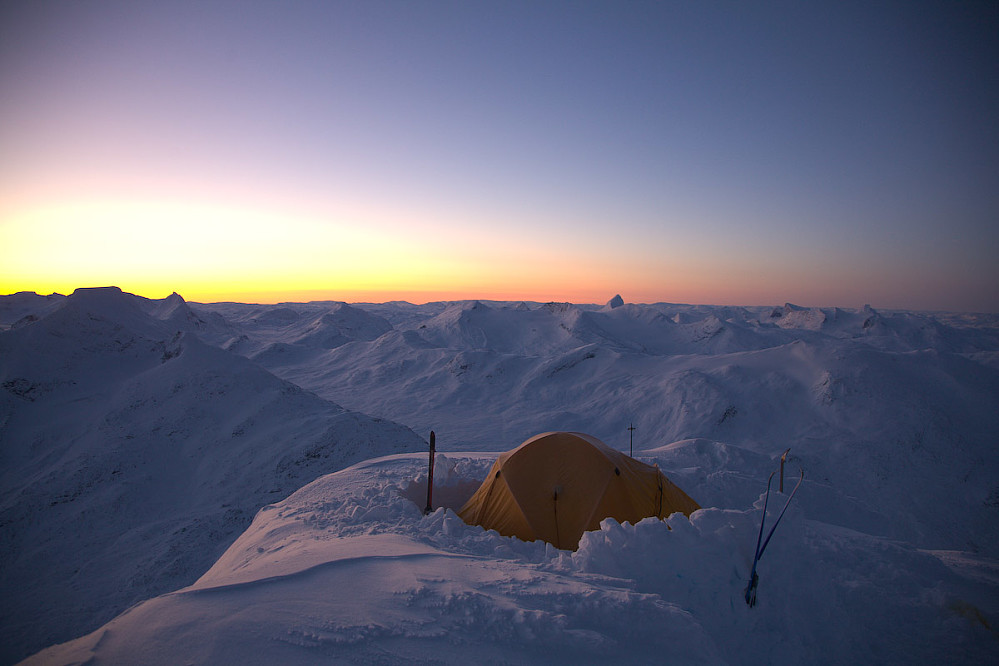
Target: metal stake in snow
{"type": "Point", "coordinates": [631, 440]}
{"type": "Point", "coordinates": [783, 458]}
{"type": "Point", "coordinates": [430, 475]}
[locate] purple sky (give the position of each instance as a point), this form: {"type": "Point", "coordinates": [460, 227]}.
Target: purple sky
{"type": "Point", "coordinates": [821, 153]}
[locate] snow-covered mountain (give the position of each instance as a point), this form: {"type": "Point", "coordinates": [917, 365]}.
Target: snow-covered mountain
{"type": "Point", "coordinates": [133, 454]}
{"type": "Point", "coordinates": [25, 307]}
{"type": "Point", "coordinates": [864, 398]}
{"type": "Point", "coordinates": [295, 329]}
{"type": "Point", "coordinates": [891, 543]}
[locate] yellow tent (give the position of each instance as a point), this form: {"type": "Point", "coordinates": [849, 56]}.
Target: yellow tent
{"type": "Point", "coordinates": [557, 485]}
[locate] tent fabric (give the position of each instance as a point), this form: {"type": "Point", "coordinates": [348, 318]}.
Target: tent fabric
{"type": "Point", "coordinates": [557, 485]}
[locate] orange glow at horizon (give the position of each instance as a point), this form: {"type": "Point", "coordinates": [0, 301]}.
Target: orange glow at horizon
{"type": "Point", "coordinates": [212, 252]}
{"type": "Point", "coordinates": [215, 253]}
{"type": "Point", "coordinates": [340, 153]}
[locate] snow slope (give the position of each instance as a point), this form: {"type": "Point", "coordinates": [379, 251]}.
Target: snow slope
{"type": "Point", "coordinates": [133, 454]}
{"type": "Point", "coordinates": [347, 570]}
{"type": "Point", "coordinates": [889, 554]}
{"type": "Point", "coordinates": [25, 307]}
{"type": "Point", "coordinates": [870, 402]}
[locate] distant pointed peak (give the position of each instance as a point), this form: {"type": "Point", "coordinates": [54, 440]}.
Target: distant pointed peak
{"type": "Point", "coordinates": [615, 302]}
{"type": "Point", "coordinates": [474, 305]}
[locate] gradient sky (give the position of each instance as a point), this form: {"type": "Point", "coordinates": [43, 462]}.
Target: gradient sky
{"type": "Point", "coordinates": [827, 154]}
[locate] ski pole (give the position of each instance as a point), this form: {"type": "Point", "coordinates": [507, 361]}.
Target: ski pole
{"type": "Point", "coordinates": [430, 475]}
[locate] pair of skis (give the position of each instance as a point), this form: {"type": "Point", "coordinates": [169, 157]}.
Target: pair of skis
{"type": "Point", "coordinates": [761, 544]}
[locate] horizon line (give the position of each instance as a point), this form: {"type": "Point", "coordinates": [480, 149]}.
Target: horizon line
{"type": "Point", "coordinates": [416, 297]}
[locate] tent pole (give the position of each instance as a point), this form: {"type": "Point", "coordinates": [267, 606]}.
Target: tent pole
{"type": "Point", "coordinates": [430, 475]}
{"type": "Point", "coordinates": [631, 440]}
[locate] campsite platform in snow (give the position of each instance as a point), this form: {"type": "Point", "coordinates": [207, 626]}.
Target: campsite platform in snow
{"type": "Point", "coordinates": [349, 570]}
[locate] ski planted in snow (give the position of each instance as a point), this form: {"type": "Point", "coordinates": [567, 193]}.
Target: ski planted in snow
{"type": "Point", "coordinates": [754, 578]}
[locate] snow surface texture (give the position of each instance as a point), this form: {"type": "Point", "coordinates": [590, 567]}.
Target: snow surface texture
{"type": "Point", "coordinates": [877, 407]}
{"type": "Point", "coordinates": [132, 455]}
{"type": "Point", "coordinates": [347, 570]}
{"type": "Point", "coordinates": [888, 554]}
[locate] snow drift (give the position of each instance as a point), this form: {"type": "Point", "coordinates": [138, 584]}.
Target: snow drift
{"type": "Point", "coordinates": [349, 570]}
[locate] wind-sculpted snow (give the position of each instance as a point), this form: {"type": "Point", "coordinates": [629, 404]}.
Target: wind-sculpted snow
{"type": "Point", "coordinates": [132, 455]}
{"type": "Point", "coordinates": [349, 570]}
